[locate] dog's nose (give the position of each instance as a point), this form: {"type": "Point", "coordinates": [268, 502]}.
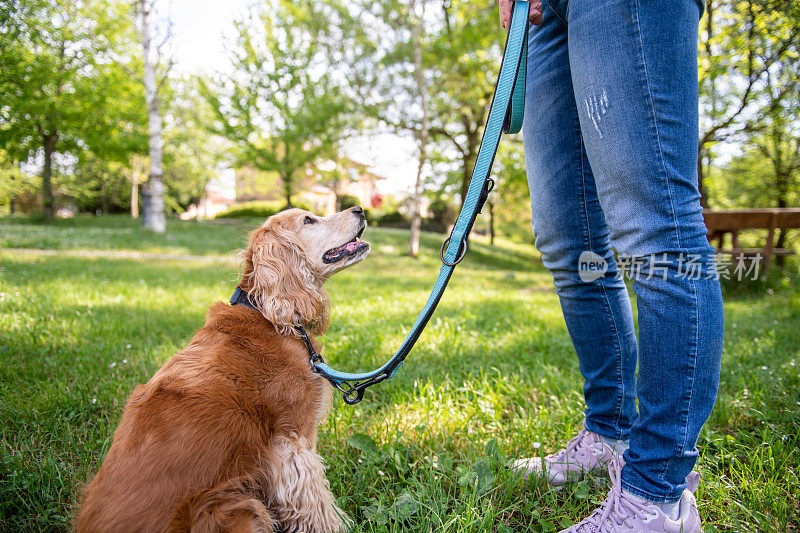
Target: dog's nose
{"type": "Point", "coordinates": [358, 210]}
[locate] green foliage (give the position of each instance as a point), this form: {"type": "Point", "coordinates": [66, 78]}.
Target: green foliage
{"type": "Point", "coordinates": [65, 82]}
{"type": "Point", "coordinates": [96, 185]}
{"type": "Point", "coordinates": [15, 186]}
{"type": "Point", "coordinates": [442, 213]}
{"type": "Point", "coordinates": [747, 181]}
{"type": "Point", "coordinates": [259, 209]}
{"type": "Point", "coordinates": [465, 57]}
{"type": "Point", "coordinates": [461, 51]}
{"type": "Point", "coordinates": [192, 154]}
{"type": "Point", "coordinates": [61, 71]}
{"type": "Point", "coordinates": [493, 375]}
{"type": "Point", "coordinates": [281, 107]}
{"type": "Point", "coordinates": [749, 58]}
{"type": "Point", "coordinates": [345, 201]}
{"type": "Point", "coordinates": [393, 219]}
{"type": "Point", "coordinates": [252, 209]}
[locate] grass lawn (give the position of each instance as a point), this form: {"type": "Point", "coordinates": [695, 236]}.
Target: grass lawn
{"type": "Point", "coordinates": [493, 377]}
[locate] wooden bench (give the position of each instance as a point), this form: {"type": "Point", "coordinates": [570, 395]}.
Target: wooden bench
{"type": "Point", "coordinates": [732, 221]}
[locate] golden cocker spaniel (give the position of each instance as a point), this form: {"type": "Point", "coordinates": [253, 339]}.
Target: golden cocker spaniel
{"type": "Point", "coordinates": [223, 437]}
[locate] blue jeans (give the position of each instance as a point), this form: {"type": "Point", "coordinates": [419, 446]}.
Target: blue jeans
{"type": "Point", "coordinates": [610, 133]}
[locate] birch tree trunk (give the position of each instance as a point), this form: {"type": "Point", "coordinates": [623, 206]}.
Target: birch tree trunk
{"type": "Point", "coordinates": [416, 219]}
{"type": "Point", "coordinates": [153, 194]}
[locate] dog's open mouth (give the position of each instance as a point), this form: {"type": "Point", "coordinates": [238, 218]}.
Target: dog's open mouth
{"type": "Point", "coordinates": [350, 248]}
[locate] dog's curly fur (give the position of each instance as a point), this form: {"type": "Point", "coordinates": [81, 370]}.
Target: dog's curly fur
{"type": "Point", "coordinates": [223, 436]}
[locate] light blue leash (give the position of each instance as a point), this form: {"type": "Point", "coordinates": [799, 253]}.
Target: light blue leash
{"type": "Point", "coordinates": [505, 115]}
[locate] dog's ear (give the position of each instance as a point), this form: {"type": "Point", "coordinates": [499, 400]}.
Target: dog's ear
{"type": "Point", "coordinates": [282, 283]}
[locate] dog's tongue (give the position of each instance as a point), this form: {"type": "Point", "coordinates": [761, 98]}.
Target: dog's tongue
{"type": "Point", "coordinates": [350, 246]}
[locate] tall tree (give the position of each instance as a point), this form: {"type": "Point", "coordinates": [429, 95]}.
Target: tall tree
{"type": "Point", "coordinates": [465, 58]}
{"type": "Point", "coordinates": [461, 60]}
{"type": "Point", "coordinates": [192, 154]}
{"type": "Point", "coordinates": [779, 140]}
{"type": "Point", "coordinates": [741, 41]}
{"type": "Point", "coordinates": [282, 105]}
{"type": "Point", "coordinates": [153, 192]}
{"type": "Point", "coordinates": [56, 56]}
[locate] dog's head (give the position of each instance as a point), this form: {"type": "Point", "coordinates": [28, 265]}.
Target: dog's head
{"type": "Point", "coordinates": [289, 258]}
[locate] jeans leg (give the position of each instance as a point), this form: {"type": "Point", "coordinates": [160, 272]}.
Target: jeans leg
{"type": "Point", "coordinates": [634, 73]}
{"type": "Point", "coordinates": [569, 226]}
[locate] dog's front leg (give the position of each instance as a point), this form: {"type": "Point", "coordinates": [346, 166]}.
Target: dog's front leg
{"type": "Point", "coordinates": [301, 494]}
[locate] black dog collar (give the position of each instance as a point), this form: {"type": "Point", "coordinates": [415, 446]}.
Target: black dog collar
{"type": "Point", "coordinates": [240, 297]}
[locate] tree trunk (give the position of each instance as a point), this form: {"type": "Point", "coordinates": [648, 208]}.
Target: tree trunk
{"type": "Point", "coordinates": [416, 219]}
{"type": "Point", "coordinates": [701, 179]}
{"type": "Point", "coordinates": [709, 33]}
{"type": "Point", "coordinates": [782, 189]}
{"type": "Point", "coordinates": [287, 189]}
{"type": "Point", "coordinates": [780, 260]}
{"type": "Point", "coordinates": [12, 201]}
{"type": "Point", "coordinates": [104, 197]}
{"type": "Point", "coordinates": [49, 144]}
{"type": "Point", "coordinates": [490, 204]}
{"type": "Point", "coordinates": [468, 160]}
{"type": "Point", "coordinates": [153, 218]}
{"type": "Point", "coordinates": [466, 175]}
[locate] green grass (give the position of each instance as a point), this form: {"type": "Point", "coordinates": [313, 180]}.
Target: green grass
{"type": "Point", "coordinates": [493, 377]}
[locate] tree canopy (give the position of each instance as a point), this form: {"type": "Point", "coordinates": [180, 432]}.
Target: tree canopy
{"type": "Point", "coordinates": [305, 75]}
{"type": "Point", "coordinates": [64, 83]}
{"type": "Point", "coordinates": [281, 105]}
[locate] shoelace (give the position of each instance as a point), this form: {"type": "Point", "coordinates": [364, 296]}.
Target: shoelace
{"type": "Point", "coordinates": [573, 444]}
{"type": "Point", "coordinates": [618, 509]}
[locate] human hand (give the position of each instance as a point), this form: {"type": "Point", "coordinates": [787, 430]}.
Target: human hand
{"type": "Point", "coordinates": [534, 16]}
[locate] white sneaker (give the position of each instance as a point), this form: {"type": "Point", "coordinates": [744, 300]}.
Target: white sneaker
{"type": "Point", "coordinates": [623, 512]}
{"type": "Point", "coordinates": [585, 453]}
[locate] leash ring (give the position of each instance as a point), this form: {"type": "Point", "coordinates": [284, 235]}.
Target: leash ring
{"type": "Point", "coordinates": [462, 251]}
{"type": "Point", "coordinates": [353, 396]}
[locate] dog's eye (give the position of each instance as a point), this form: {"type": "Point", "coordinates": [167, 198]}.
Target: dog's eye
{"type": "Point", "coordinates": [309, 220]}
